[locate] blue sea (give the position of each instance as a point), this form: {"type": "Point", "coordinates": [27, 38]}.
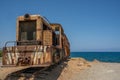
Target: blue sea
{"type": "Point", "coordinates": [101, 56]}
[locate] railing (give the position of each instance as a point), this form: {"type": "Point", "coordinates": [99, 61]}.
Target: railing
{"type": "Point", "coordinates": [23, 43]}
{"type": "Point", "coordinates": [14, 42]}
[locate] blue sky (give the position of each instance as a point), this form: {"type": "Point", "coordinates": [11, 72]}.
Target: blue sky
{"type": "Point", "coordinates": [91, 25]}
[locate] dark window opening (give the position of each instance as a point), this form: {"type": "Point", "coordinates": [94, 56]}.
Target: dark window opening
{"type": "Point", "coordinates": [27, 30]}
{"type": "Point", "coordinates": [45, 27]}
{"type": "Point", "coordinates": [57, 40]}
{"type": "Point", "coordinates": [54, 39]}
{"type": "Point", "coordinates": [57, 32]}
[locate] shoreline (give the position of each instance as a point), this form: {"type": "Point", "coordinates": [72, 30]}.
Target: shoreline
{"type": "Point", "coordinates": [113, 57]}
{"type": "Point", "coordinates": [95, 60]}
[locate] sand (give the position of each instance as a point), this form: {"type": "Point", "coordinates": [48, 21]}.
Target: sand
{"type": "Point", "coordinates": [74, 66]}
{"type": "Point", "coordinates": [90, 71]}
{"type": "Point", "coordinates": [99, 71]}
{"type": "Point", "coordinates": [4, 71]}
{"type": "Point", "coordinates": [80, 69]}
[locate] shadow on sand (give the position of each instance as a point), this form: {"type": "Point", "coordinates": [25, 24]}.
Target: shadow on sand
{"type": "Point", "coordinates": [52, 73]}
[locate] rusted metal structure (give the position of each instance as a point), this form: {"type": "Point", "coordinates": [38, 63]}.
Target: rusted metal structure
{"type": "Point", "coordinates": [38, 43]}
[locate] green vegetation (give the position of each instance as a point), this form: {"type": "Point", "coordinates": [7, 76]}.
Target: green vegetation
{"type": "Point", "coordinates": [0, 59]}
{"type": "Point", "coordinates": [0, 53]}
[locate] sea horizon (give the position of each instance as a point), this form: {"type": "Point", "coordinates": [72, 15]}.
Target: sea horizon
{"type": "Point", "coordinates": [100, 56]}
{"type": "Point", "coordinates": [95, 51]}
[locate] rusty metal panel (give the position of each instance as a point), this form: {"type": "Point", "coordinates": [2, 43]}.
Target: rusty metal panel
{"type": "Point", "coordinates": [39, 22]}
{"type": "Point", "coordinates": [47, 37]}
{"type": "Point", "coordinates": [27, 55]}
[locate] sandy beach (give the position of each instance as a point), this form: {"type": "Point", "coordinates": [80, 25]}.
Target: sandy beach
{"type": "Point", "coordinates": [99, 71]}
{"type": "Point", "coordinates": [80, 69]}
